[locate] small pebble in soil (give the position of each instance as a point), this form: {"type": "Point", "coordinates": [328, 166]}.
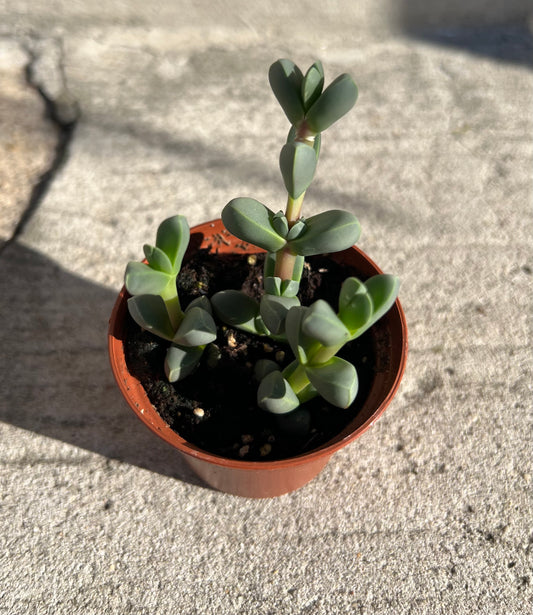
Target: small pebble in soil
{"type": "Point", "coordinates": [199, 412]}
{"type": "Point", "coordinates": [265, 449]}
{"type": "Point", "coordinates": [280, 355]}
{"type": "Point", "coordinates": [252, 259]}
{"type": "Point", "coordinates": [247, 438]}
{"type": "Point", "coordinates": [232, 342]}
{"type": "Point", "coordinates": [267, 348]}
{"type": "Point", "coordinates": [244, 450]}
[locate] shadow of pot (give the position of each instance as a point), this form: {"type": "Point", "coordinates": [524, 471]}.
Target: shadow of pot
{"type": "Point", "coordinates": [261, 479]}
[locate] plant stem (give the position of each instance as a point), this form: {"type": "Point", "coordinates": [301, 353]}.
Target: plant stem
{"type": "Point", "coordinates": [285, 258]}
{"type": "Point", "coordinates": [172, 303]}
{"type": "Point", "coordinates": [293, 209]}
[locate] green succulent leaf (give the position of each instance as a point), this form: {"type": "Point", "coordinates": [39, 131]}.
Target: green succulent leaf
{"type": "Point", "coordinates": [263, 367]}
{"type": "Point", "coordinates": [383, 289]}
{"type": "Point", "coordinates": [329, 231]}
{"type": "Point", "coordinates": [252, 221]}
{"type": "Point", "coordinates": [141, 279]}
{"type": "Point", "coordinates": [150, 313]}
{"type": "Point", "coordinates": [312, 84]}
{"type": "Point", "coordinates": [286, 81]}
{"type": "Point", "coordinates": [296, 229]}
{"type": "Point", "coordinates": [280, 224]}
{"type": "Point", "coordinates": [238, 310]}
{"type": "Point", "coordinates": [173, 238]}
{"type": "Point", "coordinates": [289, 288]}
{"type": "Point", "coordinates": [273, 310]}
{"type": "Point", "coordinates": [334, 102]}
{"type": "Point", "coordinates": [200, 302]}
{"type": "Point", "coordinates": [300, 343]}
{"type": "Point", "coordinates": [157, 259]}
{"type": "Point", "coordinates": [316, 140]}
{"type": "Point", "coordinates": [322, 324]}
{"type": "Point", "coordinates": [355, 305]}
{"type": "Point", "coordinates": [272, 285]}
{"type": "Point", "coordinates": [336, 381]}
{"type": "Point", "coordinates": [180, 361]}
{"type": "Point", "coordinates": [196, 329]}
{"type": "Point", "coordinates": [297, 162]}
{"type": "Point", "coordinates": [269, 267]}
{"type": "Point", "coordinates": [275, 394]}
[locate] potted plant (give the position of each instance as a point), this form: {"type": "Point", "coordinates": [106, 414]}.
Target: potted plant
{"type": "Point", "coordinates": [263, 342]}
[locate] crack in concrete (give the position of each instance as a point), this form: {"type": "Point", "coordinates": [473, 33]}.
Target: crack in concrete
{"type": "Point", "coordinates": [45, 74]}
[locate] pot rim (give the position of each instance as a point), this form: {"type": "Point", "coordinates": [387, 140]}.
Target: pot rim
{"type": "Point", "coordinates": [132, 384]}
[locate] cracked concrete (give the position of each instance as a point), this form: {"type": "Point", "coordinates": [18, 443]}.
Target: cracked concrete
{"type": "Point", "coordinates": [429, 512]}
{"type": "Point", "coordinates": [28, 139]}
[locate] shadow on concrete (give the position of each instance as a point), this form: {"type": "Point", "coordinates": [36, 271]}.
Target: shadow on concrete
{"type": "Point", "coordinates": [498, 29]}
{"type": "Point", "coordinates": [56, 380]}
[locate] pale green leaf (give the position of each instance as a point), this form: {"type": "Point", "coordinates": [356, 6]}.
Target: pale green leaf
{"type": "Point", "coordinates": [251, 221]}
{"type": "Point", "coordinates": [150, 313]}
{"type": "Point", "coordinates": [336, 381]}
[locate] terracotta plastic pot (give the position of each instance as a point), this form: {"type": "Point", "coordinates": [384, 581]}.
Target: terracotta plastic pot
{"type": "Point", "coordinates": [259, 479]}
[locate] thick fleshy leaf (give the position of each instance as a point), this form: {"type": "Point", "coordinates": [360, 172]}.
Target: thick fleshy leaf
{"type": "Point", "coordinates": [140, 279]}
{"type": "Point", "coordinates": [286, 81]}
{"type": "Point", "coordinates": [275, 394]}
{"type": "Point", "coordinates": [312, 84]}
{"type": "Point", "coordinates": [238, 310]}
{"type": "Point", "coordinates": [180, 361]}
{"type": "Point", "coordinates": [251, 221]}
{"type": "Point", "coordinates": [335, 101]}
{"type": "Point", "coordinates": [263, 367]}
{"type": "Point", "coordinates": [173, 238]}
{"type": "Point", "coordinates": [322, 324]}
{"type": "Point", "coordinates": [280, 224]}
{"type": "Point", "coordinates": [196, 329]}
{"type": "Point", "coordinates": [383, 289]}
{"type": "Point", "coordinates": [336, 381]}
{"type": "Point", "coordinates": [296, 229]}
{"type": "Point", "coordinates": [297, 162]}
{"type": "Point", "coordinates": [150, 313]}
{"type": "Point", "coordinates": [329, 231]}
{"type": "Point", "coordinates": [273, 310]}
{"type": "Point", "coordinates": [315, 140]}
{"type": "Point", "coordinates": [201, 302]}
{"type": "Point", "coordinates": [157, 259]}
{"type": "Point", "coordinates": [289, 288]}
{"type": "Point", "coordinates": [301, 344]}
{"type": "Point", "coordinates": [355, 305]}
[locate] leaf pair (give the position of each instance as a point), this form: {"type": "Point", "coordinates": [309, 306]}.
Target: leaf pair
{"type": "Point", "coordinates": [362, 304]}
{"type": "Point", "coordinates": [336, 381]}
{"type": "Point", "coordinates": [266, 317]}
{"type": "Point", "coordinates": [195, 331]}
{"type": "Point", "coordinates": [157, 276]}
{"type": "Point", "coordinates": [302, 98]}
{"type": "Point", "coordinates": [255, 223]}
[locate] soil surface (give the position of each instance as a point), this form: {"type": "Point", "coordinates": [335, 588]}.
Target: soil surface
{"type": "Point", "coordinates": [215, 407]}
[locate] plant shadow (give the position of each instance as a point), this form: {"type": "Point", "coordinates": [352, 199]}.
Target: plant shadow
{"type": "Point", "coordinates": [56, 376]}
{"type": "Point", "coordinates": [498, 30]}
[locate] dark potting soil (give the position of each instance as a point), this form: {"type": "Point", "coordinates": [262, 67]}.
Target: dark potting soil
{"type": "Point", "coordinates": [215, 407]}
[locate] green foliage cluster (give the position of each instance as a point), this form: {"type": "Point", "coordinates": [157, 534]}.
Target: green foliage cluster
{"type": "Point", "coordinates": [314, 333]}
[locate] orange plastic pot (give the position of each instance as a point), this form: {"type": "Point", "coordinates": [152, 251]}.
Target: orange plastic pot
{"type": "Point", "coordinates": [260, 479]}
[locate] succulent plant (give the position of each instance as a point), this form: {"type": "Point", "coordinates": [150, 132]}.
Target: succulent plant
{"type": "Point", "coordinates": [314, 333]}
{"type": "Point", "coordinates": [287, 236]}
{"type": "Point", "coordinates": [155, 305]}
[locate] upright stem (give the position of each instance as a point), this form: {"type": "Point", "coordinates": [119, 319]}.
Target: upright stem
{"type": "Point", "coordinates": [172, 303]}
{"type": "Point", "coordinates": [294, 207]}
{"type": "Point", "coordinates": [285, 258]}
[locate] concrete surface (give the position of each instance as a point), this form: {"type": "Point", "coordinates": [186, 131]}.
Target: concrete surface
{"type": "Point", "coordinates": [430, 511]}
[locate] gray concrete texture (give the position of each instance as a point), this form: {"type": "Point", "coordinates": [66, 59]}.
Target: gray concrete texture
{"type": "Point", "coordinates": [430, 511]}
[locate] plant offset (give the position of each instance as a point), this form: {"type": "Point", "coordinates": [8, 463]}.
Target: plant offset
{"type": "Point", "coordinates": [314, 333]}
